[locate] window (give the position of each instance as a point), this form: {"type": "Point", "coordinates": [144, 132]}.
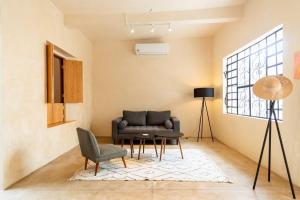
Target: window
{"type": "Point", "coordinates": [64, 83]}
{"type": "Point", "coordinates": [243, 68]}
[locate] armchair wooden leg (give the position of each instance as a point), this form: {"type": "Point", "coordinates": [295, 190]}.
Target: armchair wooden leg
{"type": "Point", "coordinates": [123, 159]}
{"type": "Point", "coordinates": [96, 168]}
{"type": "Point", "coordinates": [85, 163]}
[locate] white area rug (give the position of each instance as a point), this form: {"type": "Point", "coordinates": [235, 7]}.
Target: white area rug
{"type": "Point", "coordinates": [195, 166]}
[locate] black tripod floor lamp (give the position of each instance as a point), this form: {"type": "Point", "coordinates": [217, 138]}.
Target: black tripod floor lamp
{"type": "Point", "coordinates": [204, 93]}
{"type": "Point", "coordinates": [273, 88]}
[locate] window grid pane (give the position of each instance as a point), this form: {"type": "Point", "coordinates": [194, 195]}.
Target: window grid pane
{"type": "Point", "coordinates": [243, 69]}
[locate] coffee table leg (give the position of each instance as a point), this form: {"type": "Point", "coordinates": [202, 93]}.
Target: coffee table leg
{"type": "Point", "coordinates": [143, 145]}
{"type": "Point", "coordinates": [154, 142]}
{"type": "Point", "coordinates": [140, 149]}
{"type": "Point", "coordinates": [131, 147]}
{"type": "Point", "coordinates": [180, 148]}
{"type": "Point", "coordinates": [161, 148]}
{"type": "Point", "coordinates": [165, 145]}
{"type": "Point", "coordinates": [122, 143]}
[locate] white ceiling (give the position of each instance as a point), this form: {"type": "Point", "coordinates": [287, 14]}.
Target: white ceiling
{"type": "Point", "coordinates": [99, 19]}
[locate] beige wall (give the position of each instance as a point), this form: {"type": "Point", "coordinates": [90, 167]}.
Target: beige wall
{"type": "Point", "coordinates": [1, 105]}
{"type": "Point", "coordinates": [28, 143]}
{"type": "Point", "coordinates": [122, 80]}
{"type": "Point", "coordinates": [246, 134]}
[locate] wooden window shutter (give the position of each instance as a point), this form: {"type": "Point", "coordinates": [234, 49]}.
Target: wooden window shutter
{"type": "Point", "coordinates": [50, 81]}
{"type": "Point", "coordinates": [73, 81]}
{"type": "Point", "coordinates": [55, 113]}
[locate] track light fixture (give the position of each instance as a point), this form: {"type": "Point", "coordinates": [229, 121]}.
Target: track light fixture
{"type": "Point", "coordinates": [152, 29]}
{"type": "Point", "coordinates": [168, 27]}
{"type": "Point", "coordinates": [132, 30]}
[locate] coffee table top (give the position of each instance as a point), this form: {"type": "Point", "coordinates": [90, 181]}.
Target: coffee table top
{"type": "Point", "coordinates": [144, 136]}
{"type": "Point", "coordinates": [168, 135]}
{"type": "Point", "coordinates": [126, 136]}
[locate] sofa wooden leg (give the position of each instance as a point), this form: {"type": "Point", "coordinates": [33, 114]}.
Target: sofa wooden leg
{"type": "Point", "coordinates": [86, 163]}
{"type": "Point", "coordinates": [123, 159]}
{"type": "Point", "coordinates": [96, 168]}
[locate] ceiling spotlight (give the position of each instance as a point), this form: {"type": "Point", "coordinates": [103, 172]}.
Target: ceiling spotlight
{"type": "Point", "coordinates": [152, 29]}
{"type": "Point", "coordinates": [131, 29]}
{"type": "Point", "coordinates": [170, 28]}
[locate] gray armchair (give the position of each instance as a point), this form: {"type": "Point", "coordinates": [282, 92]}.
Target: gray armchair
{"type": "Point", "coordinates": [91, 150]}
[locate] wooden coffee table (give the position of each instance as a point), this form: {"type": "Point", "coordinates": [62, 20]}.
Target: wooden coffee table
{"type": "Point", "coordinates": [164, 136]}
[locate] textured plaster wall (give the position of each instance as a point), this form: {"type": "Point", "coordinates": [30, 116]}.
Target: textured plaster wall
{"type": "Point", "coordinates": [27, 143]}
{"type": "Point", "coordinates": [123, 80]}
{"type": "Point", "coordinates": [246, 134]}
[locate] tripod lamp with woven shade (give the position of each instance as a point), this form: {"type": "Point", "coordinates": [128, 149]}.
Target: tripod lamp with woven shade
{"type": "Point", "coordinates": [273, 88]}
{"type": "Point", "coordinates": [204, 93]}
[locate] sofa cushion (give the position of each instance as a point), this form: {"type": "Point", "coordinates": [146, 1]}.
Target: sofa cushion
{"type": "Point", "coordinates": [135, 118]}
{"type": "Point", "coordinates": [144, 129]}
{"type": "Point", "coordinates": [168, 124]}
{"type": "Point", "coordinates": [122, 124]}
{"type": "Point", "coordinates": [157, 118]}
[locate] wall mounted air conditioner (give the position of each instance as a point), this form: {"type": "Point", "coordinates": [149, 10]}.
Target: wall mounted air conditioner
{"type": "Point", "coordinates": [152, 49]}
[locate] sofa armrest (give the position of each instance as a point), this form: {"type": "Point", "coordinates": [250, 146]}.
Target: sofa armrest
{"type": "Point", "coordinates": [115, 127]}
{"type": "Point", "coordinates": [176, 124]}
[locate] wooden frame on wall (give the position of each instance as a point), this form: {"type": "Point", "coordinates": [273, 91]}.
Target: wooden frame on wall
{"type": "Point", "coordinates": [71, 89]}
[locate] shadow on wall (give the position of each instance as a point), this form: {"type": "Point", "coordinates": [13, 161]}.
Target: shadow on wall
{"type": "Point", "coordinates": [11, 175]}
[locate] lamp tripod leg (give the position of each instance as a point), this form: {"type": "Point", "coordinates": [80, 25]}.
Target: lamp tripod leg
{"type": "Point", "coordinates": [270, 142]}
{"type": "Point", "coordinates": [202, 110]}
{"type": "Point", "coordinates": [261, 154]}
{"type": "Point", "coordinates": [284, 157]}
{"type": "Point", "coordinates": [212, 136]}
{"type": "Point", "coordinates": [200, 122]}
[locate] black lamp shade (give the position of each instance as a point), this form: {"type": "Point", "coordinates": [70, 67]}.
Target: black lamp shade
{"type": "Point", "coordinates": [204, 92]}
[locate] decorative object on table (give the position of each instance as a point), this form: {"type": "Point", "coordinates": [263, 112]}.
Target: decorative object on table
{"type": "Point", "coordinates": [144, 122]}
{"type": "Point", "coordinates": [297, 65]}
{"type": "Point", "coordinates": [196, 166]}
{"type": "Point", "coordinates": [91, 150]}
{"type": "Point", "coordinates": [273, 88]}
{"type": "Point", "coordinates": [204, 93]}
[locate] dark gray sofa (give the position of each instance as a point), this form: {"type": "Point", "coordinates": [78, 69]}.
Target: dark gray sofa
{"type": "Point", "coordinates": [144, 122]}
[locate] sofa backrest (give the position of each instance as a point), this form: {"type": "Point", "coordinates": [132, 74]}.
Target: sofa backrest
{"type": "Point", "coordinates": [135, 118]}
{"type": "Point", "coordinates": [143, 118]}
{"type": "Point", "coordinates": [157, 118]}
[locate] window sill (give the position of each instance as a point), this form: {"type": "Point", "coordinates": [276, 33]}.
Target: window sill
{"type": "Point", "coordinates": [59, 123]}
{"type": "Point", "coordinates": [250, 117]}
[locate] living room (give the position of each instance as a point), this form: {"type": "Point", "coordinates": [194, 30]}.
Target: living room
{"type": "Point", "coordinates": [44, 159]}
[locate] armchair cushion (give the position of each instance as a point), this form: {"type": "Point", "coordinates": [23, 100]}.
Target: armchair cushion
{"type": "Point", "coordinates": [157, 118]}
{"type": "Point", "coordinates": [135, 118]}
